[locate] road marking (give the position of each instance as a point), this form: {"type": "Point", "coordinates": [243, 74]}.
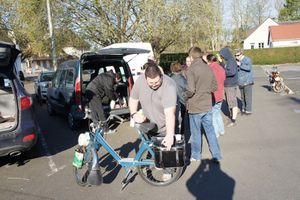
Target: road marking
{"type": "Point", "coordinates": [296, 110]}
{"type": "Point", "coordinates": [51, 163]}
{"type": "Point", "coordinates": [294, 78]}
{"type": "Point", "coordinates": [18, 178]}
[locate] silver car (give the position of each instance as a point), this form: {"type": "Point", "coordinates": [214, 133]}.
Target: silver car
{"type": "Point", "coordinates": [18, 131]}
{"type": "Point", "coordinates": [42, 83]}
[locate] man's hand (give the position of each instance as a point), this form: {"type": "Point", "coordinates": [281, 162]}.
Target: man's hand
{"type": "Point", "coordinates": [139, 117]}
{"type": "Point", "coordinates": [219, 57]}
{"type": "Point", "coordinates": [112, 104]}
{"type": "Point", "coordinates": [168, 141]}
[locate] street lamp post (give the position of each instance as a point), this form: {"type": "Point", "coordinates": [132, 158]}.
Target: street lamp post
{"type": "Point", "coordinates": [54, 61]}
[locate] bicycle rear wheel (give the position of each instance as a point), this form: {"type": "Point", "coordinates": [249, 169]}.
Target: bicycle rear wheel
{"type": "Point", "coordinates": [81, 174]}
{"type": "Point", "coordinates": [158, 176]}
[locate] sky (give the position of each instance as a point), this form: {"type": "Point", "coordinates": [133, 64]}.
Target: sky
{"type": "Point", "coordinates": [227, 16]}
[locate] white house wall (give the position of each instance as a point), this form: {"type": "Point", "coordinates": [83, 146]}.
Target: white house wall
{"type": "Point", "coordinates": [288, 43]}
{"type": "Point", "coordinates": [260, 35]}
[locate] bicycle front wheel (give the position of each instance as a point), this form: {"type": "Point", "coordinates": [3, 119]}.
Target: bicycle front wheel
{"type": "Point", "coordinates": [278, 87]}
{"type": "Point", "coordinates": [158, 176]}
{"type": "Point", "coordinates": [81, 173]}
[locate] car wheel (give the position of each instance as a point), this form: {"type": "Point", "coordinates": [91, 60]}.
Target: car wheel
{"type": "Point", "coordinates": [50, 110]}
{"type": "Point", "coordinates": [72, 122]}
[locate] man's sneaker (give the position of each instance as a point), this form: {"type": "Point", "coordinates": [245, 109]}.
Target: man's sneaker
{"type": "Point", "coordinates": [166, 176]}
{"type": "Point", "coordinates": [194, 160]}
{"type": "Point", "coordinates": [231, 124]}
{"type": "Point", "coordinates": [248, 113]}
{"type": "Point", "coordinates": [222, 133]}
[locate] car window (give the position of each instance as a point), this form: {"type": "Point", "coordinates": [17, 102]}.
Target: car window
{"type": "Point", "coordinates": [62, 79]}
{"type": "Point", "coordinates": [5, 84]}
{"type": "Point", "coordinates": [122, 72]}
{"type": "Point", "coordinates": [108, 68]}
{"type": "Point", "coordinates": [69, 78]}
{"type": "Point", "coordinates": [55, 80]}
{"type": "Point", "coordinates": [86, 74]}
{"type": "Point", "coordinates": [46, 77]}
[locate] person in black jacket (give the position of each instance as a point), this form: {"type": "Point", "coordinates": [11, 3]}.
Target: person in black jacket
{"type": "Point", "coordinates": [101, 91]}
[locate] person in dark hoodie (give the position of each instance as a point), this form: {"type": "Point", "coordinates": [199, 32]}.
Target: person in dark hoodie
{"type": "Point", "coordinates": [101, 91]}
{"type": "Point", "coordinates": [230, 84]}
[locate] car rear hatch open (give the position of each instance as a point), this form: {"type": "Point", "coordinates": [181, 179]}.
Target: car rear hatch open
{"type": "Point", "coordinates": [107, 59]}
{"type": "Point", "coordinates": [8, 94]}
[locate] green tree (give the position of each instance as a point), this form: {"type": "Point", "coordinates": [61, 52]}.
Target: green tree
{"type": "Point", "coordinates": [25, 23]}
{"type": "Point", "coordinates": [290, 11]}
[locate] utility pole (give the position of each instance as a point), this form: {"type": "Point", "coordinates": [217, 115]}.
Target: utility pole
{"type": "Point", "coordinates": [54, 61]}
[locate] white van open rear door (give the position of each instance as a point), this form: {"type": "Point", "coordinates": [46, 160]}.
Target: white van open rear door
{"type": "Point", "coordinates": [135, 61]}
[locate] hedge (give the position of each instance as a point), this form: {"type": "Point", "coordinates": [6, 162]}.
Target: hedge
{"type": "Point", "coordinates": [269, 56]}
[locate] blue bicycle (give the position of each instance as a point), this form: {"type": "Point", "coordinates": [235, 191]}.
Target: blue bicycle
{"type": "Point", "coordinates": [88, 171]}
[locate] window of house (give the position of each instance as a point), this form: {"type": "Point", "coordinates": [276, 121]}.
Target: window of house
{"type": "Point", "coordinates": [252, 45]}
{"type": "Point", "coordinates": [261, 45]}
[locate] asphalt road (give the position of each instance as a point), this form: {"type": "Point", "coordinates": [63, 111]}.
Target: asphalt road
{"type": "Point", "coordinates": [260, 157]}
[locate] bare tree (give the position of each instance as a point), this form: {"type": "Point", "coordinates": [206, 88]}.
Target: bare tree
{"type": "Point", "coordinates": [104, 21]}
{"type": "Point", "coordinates": [259, 11]}
{"type": "Point", "coordinates": [162, 27]}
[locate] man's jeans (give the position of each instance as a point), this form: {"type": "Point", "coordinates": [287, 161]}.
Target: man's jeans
{"type": "Point", "coordinates": [204, 119]}
{"type": "Point", "coordinates": [217, 119]}
{"type": "Point", "coordinates": [246, 97]}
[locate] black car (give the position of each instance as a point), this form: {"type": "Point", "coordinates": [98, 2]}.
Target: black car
{"type": "Point", "coordinates": [66, 93]}
{"type": "Point", "coordinates": [17, 123]}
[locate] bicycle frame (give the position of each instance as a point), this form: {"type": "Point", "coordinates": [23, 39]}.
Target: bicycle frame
{"type": "Point", "coordinates": [126, 163]}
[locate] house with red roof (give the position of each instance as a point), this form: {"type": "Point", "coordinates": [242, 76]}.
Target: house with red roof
{"type": "Point", "coordinates": [258, 37]}
{"type": "Point", "coordinates": [271, 34]}
{"type": "Point", "coordinates": [284, 35]}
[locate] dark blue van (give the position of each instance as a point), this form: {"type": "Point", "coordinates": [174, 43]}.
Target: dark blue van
{"type": "Point", "coordinates": [65, 94]}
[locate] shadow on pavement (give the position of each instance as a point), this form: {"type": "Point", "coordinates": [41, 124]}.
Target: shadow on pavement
{"type": "Point", "coordinates": [295, 99]}
{"type": "Point", "coordinates": [110, 167]}
{"type": "Point", "coordinates": [209, 182]}
{"type": "Point", "coordinates": [22, 159]}
{"type": "Point", "coordinates": [268, 87]}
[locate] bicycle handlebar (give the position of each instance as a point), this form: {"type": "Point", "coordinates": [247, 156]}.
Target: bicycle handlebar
{"type": "Point", "coordinates": [110, 117]}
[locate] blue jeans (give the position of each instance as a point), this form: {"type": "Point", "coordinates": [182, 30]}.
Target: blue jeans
{"type": "Point", "coordinates": [205, 120]}
{"type": "Point", "coordinates": [217, 119]}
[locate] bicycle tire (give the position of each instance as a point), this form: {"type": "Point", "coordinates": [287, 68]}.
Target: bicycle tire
{"type": "Point", "coordinates": [154, 176]}
{"type": "Point", "coordinates": [278, 87]}
{"type": "Point", "coordinates": [81, 174]}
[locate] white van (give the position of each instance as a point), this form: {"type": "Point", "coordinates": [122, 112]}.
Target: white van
{"type": "Point", "coordinates": [135, 61]}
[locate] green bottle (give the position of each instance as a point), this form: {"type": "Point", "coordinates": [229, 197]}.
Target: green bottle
{"type": "Point", "coordinates": [78, 158]}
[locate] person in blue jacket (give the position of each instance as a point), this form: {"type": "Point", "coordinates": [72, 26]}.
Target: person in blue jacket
{"type": "Point", "coordinates": [245, 81]}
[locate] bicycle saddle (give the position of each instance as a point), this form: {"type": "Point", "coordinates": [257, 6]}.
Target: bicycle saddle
{"type": "Point", "coordinates": [147, 127]}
